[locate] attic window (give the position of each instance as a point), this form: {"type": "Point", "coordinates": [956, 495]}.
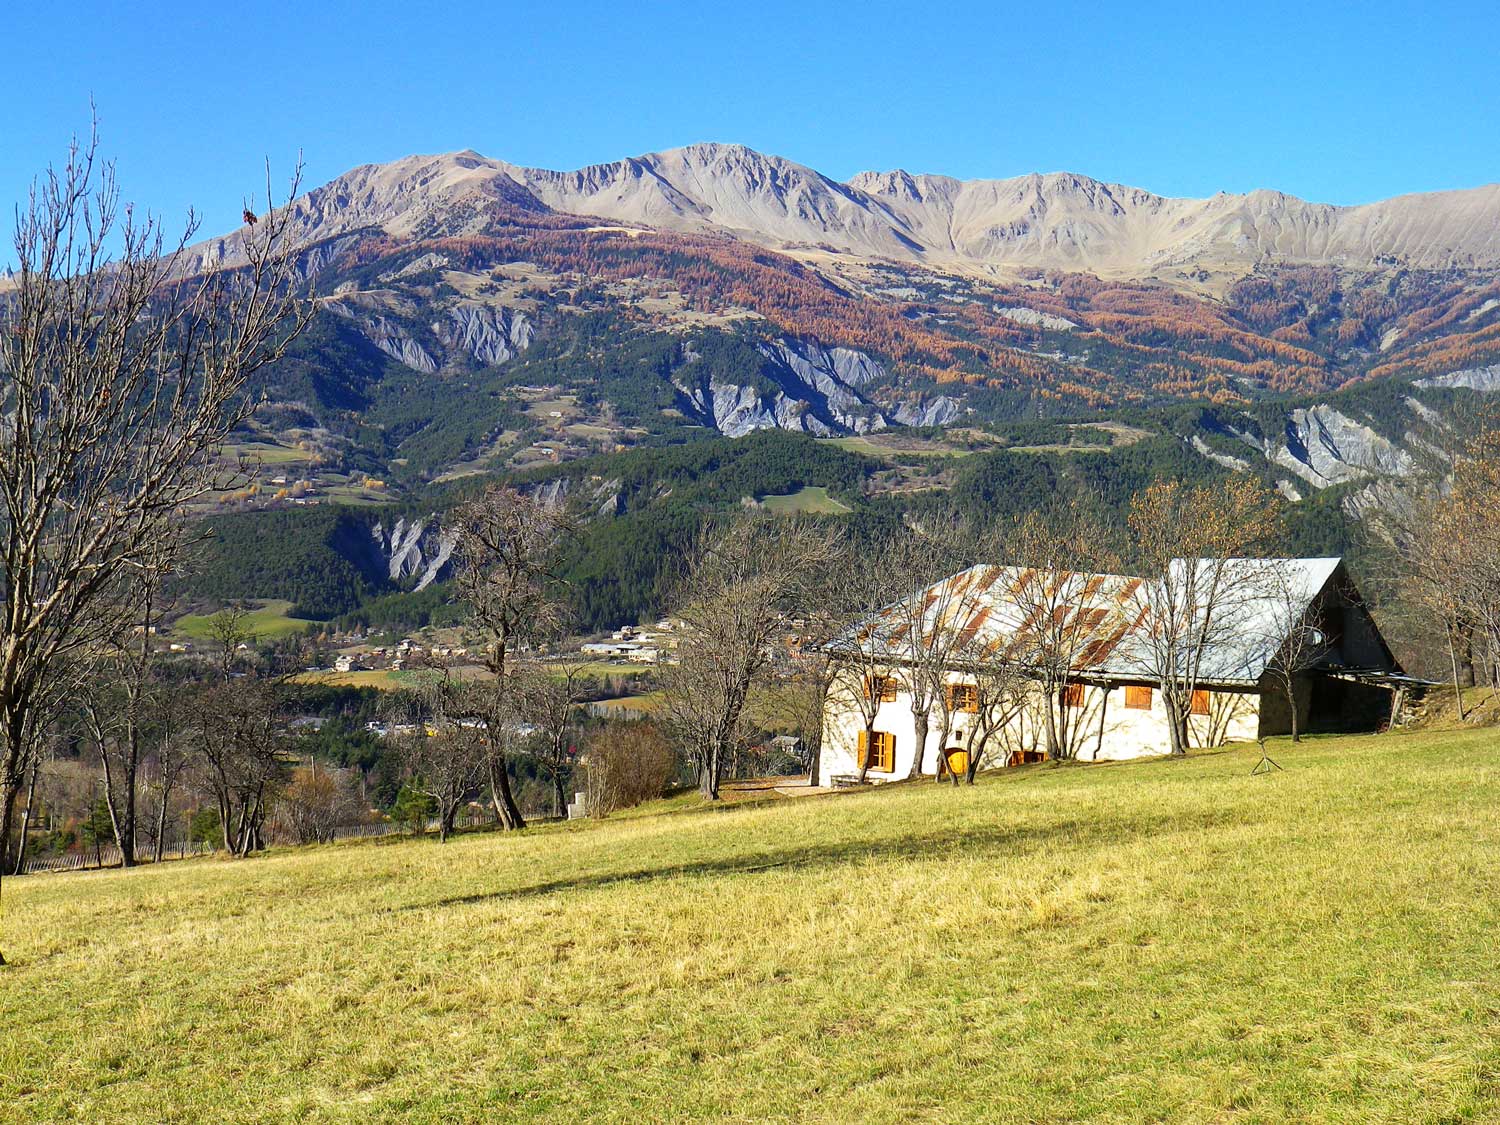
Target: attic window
{"type": "Point", "coordinates": [882, 688]}
{"type": "Point", "coordinates": [1138, 698]}
{"type": "Point", "coordinates": [964, 698]}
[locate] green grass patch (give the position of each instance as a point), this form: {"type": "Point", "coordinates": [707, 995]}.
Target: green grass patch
{"type": "Point", "coordinates": [599, 669]}
{"type": "Point", "coordinates": [813, 499]}
{"type": "Point", "coordinates": [892, 451]}
{"type": "Point", "coordinates": [1157, 941]}
{"type": "Point", "coordinates": [265, 453]}
{"type": "Point", "coordinates": [268, 621]}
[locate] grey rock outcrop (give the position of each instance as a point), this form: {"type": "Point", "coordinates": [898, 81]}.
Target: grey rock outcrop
{"type": "Point", "coordinates": [937, 411]}
{"type": "Point", "coordinates": [491, 335]}
{"type": "Point", "coordinates": [415, 548]}
{"type": "Point", "coordinates": [1474, 378]}
{"type": "Point", "coordinates": [813, 389]}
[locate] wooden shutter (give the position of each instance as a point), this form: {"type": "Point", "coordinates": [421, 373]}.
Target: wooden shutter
{"type": "Point", "coordinates": [862, 754]}
{"type": "Point", "coordinates": [1138, 698]}
{"type": "Point", "coordinates": [885, 751]}
{"type": "Point", "coordinates": [1200, 702]}
{"type": "Point", "coordinates": [1072, 695]}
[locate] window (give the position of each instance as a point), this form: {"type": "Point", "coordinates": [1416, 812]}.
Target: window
{"type": "Point", "coordinates": [963, 697]}
{"type": "Point", "coordinates": [1200, 703]}
{"type": "Point", "coordinates": [1138, 698]}
{"type": "Point", "coordinates": [877, 751]}
{"type": "Point", "coordinates": [1072, 695]}
{"type": "Point", "coordinates": [882, 688]}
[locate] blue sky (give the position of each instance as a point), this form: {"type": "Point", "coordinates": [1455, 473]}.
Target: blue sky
{"type": "Point", "coordinates": [1338, 103]}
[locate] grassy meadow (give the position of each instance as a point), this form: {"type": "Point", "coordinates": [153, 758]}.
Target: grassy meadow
{"type": "Point", "coordinates": [813, 499]}
{"type": "Point", "coordinates": [269, 620]}
{"type": "Point", "coordinates": [1157, 941]}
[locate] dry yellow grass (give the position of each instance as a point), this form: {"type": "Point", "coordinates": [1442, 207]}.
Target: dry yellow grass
{"type": "Point", "coordinates": [1154, 941]}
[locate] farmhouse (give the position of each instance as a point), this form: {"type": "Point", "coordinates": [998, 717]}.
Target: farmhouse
{"type": "Point", "coordinates": [1015, 643]}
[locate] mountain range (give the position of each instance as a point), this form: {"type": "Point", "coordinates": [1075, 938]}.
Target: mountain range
{"type": "Point", "coordinates": [479, 316]}
{"type": "Point", "coordinates": [1056, 221]}
{"type": "Point", "coordinates": [603, 333]}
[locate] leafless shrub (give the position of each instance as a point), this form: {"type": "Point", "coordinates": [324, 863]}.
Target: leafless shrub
{"type": "Point", "coordinates": [626, 763]}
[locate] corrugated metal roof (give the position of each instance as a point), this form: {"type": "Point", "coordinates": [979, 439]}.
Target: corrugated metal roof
{"type": "Point", "coordinates": [999, 611]}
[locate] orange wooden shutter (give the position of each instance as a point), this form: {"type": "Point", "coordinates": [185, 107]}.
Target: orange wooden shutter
{"type": "Point", "coordinates": [1200, 703]}
{"type": "Point", "coordinates": [862, 755]}
{"type": "Point", "coordinates": [1138, 698]}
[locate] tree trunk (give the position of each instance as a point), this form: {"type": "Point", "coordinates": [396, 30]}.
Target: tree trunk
{"type": "Point", "coordinates": [1052, 701]}
{"type": "Point", "coordinates": [559, 798]}
{"type": "Point", "coordinates": [1291, 699]}
{"type": "Point", "coordinates": [501, 798]}
{"type": "Point", "coordinates": [708, 778]}
{"type": "Point", "coordinates": [119, 795]}
{"type": "Point", "coordinates": [921, 720]}
{"type": "Point", "coordinates": [161, 824]}
{"type": "Point", "coordinates": [1458, 691]}
{"type": "Point", "coordinates": [1103, 709]}
{"type": "Point", "coordinates": [8, 793]}
{"type": "Point", "coordinates": [26, 820]}
{"type": "Point", "coordinates": [1177, 733]}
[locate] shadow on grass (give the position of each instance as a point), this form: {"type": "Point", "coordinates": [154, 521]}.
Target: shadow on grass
{"type": "Point", "coordinates": [975, 842]}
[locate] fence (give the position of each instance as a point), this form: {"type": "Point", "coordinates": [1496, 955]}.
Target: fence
{"type": "Point", "coordinates": [108, 855]}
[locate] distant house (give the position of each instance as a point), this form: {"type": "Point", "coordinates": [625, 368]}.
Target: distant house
{"type": "Point", "coordinates": [1350, 681]}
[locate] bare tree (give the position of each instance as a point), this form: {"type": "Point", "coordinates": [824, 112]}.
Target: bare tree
{"type": "Point", "coordinates": [1000, 693]}
{"type": "Point", "coordinates": [1060, 597]}
{"type": "Point", "coordinates": [930, 622]}
{"type": "Point", "coordinates": [547, 698]}
{"type": "Point", "coordinates": [315, 803]}
{"type": "Point", "coordinates": [1191, 541]}
{"type": "Point", "coordinates": [172, 758]}
{"type": "Point", "coordinates": [741, 584]}
{"type": "Point", "coordinates": [120, 376]}
{"type": "Point", "coordinates": [508, 543]}
{"type": "Point", "coordinates": [243, 745]}
{"type": "Point", "coordinates": [862, 587]}
{"type": "Point", "coordinates": [1296, 640]}
{"type": "Point", "coordinates": [1449, 548]}
{"type": "Point", "coordinates": [444, 757]}
{"type": "Point", "coordinates": [122, 699]}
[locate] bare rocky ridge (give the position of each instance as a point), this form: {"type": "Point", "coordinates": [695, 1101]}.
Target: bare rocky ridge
{"type": "Point", "coordinates": [1053, 221]}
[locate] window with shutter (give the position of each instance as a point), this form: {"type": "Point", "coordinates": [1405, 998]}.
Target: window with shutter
{"type": "Point", "coordinates": [963, 698]}
{"type": "Point", "coordinates": [1200, 703]}
{"type": "Point", "coordinates": [881, 687]}
{"type": "Point", "coordinates": [1138, 698]}
{"type": "Point", "coordinates": [876, 751]}
{"type": "Point", "coordinates": [1072, 695]}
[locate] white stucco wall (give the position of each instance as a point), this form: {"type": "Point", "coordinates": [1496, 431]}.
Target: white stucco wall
{"type": "Point", "coordinates": [1127, 733]}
